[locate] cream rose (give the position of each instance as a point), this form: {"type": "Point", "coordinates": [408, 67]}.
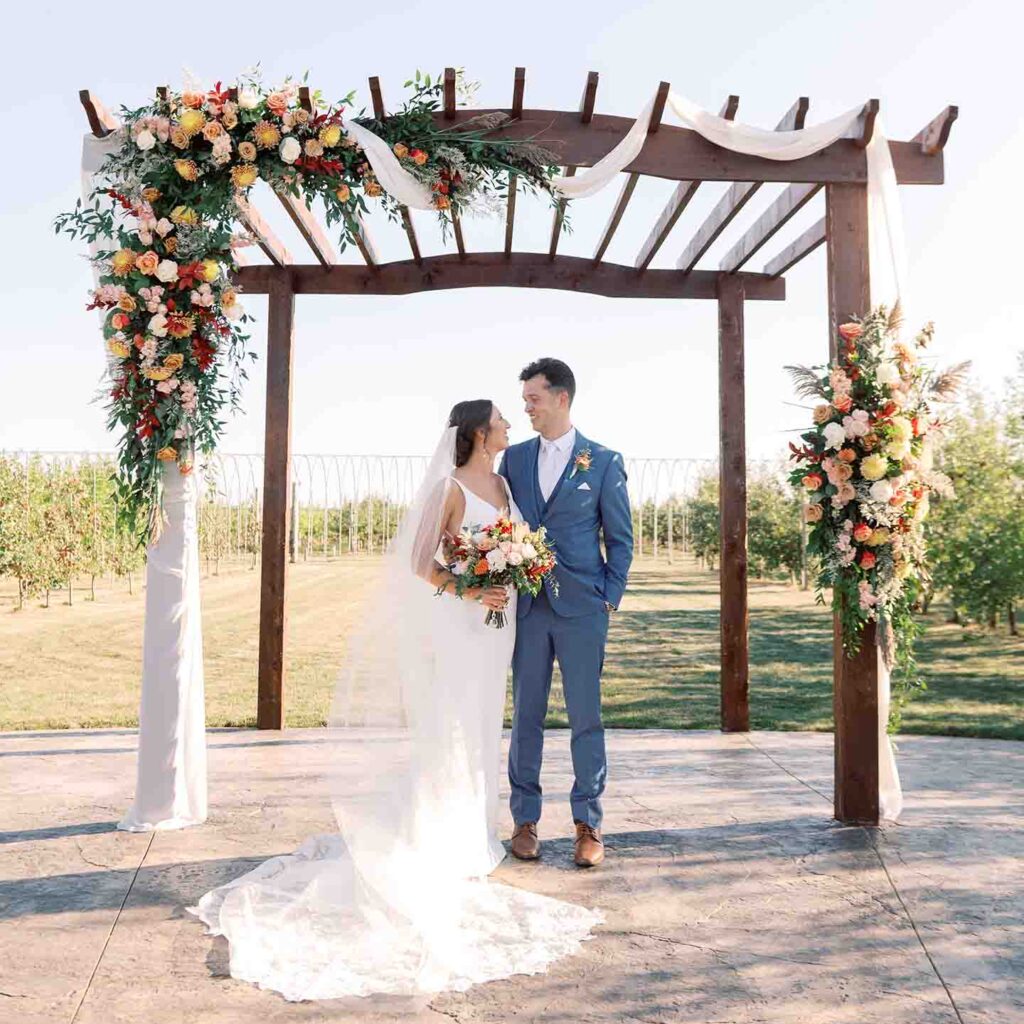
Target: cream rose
{"type": "Point", "coordinates": [835, 435]}
{"type": "Point", "coordinates": [248, 99]}
{"type": "Point", "coordinates": [290, 149]}
{"type": "Point", "coordinates": [887, 373]}
{"type": "Point", "coordinates": [167, 271]}
{"type": "Point", "coordinates": [158, 326]}
{"type": "Point", "coordinates": [145, 139]}
{"type": "Point", "coordinates": [881, 490]}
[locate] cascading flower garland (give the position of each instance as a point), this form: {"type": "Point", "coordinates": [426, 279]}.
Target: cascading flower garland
{"type": "Point", "coordinates": [866, 469]}
{"type": "Point", "coordinates": [173, 323]}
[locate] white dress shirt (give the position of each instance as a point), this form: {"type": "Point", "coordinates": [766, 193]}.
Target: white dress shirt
{"type": "Point", "coordinates": [552, 460]}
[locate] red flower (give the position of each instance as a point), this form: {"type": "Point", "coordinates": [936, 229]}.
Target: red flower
{"type": "Point", "coordinates": [867, 560]}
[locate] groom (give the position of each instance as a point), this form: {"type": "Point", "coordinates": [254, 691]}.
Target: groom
{"type": "Point", "coordinates": [577, 489]}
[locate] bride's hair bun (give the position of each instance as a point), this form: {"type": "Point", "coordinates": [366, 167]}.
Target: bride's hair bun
{"type": "Point", "coordinates": [468, 418]}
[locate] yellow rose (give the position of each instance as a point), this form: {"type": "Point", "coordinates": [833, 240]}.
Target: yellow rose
{"type": "Point", "coordinates": [243, 175]}
{"type": "Point", "coordinates": [874, 467]}
{"type": "Point", "coordinates": [247, 151]}
{"type": "Point", "coordinates": [118, 348]}
{"type": "Point", "coordinates": [330, 135]}
{"type": "Point", "coordinates": [167, 454]}
{"type": "Point", "coordinates": [372, 188]}
{"type": "Point", "coordinates": [184, 215]}
{"type": "Point", "coordinates": [400, 149]}
{"type": "Point", "coordinates": [230, 119]}
{"type": "Point", "coordinates": [123, 262]}
{"type": "Point", "coordinates": [192, 122]}
{"type": "Point", "coordinates": [157, 373]}
{"type": "Point", "coordinates": [127, 303]}
{"type": "Point", "coordinates": [878, 536]}
{"type": "Point", "coordinates": [179, 138]}
{"type": "Point", "coordinates": [211, 270]}
{"type": "Point", "coordinates": [343, 193]}
{"type": "Point", "coordinates": [187, 169]}
{"type": "Point", "coordinates": [228, 298]}
{"type": "Point", "coordinates": [175, 361]}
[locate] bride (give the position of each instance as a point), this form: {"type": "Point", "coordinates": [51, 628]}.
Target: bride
{"type": "Point", "coordinates": [397, 902]}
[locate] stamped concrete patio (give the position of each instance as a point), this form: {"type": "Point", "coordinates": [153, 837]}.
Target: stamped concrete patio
{"type": "Point", "coordinates": [729, 894]}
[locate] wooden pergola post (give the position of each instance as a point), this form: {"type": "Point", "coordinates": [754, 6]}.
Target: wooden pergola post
{"type": "Point", "coordinates": [855, 681]}
{"type": "Point", "coordinates": [732, 507]}
{"type": "Point", "coordinates": [276, 492]}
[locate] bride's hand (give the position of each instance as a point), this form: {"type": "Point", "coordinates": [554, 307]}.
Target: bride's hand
{"type": "Point", "coordinates": [494, 598]}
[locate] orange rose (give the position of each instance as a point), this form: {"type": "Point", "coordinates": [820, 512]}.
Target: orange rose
{"type": "Point", "coordinates": [400, 150]}
{"type": "Point", "coordinates": [212, 130]}
{"type": "Point", "coordinates": [442, 203]}
{"type": "Point", "coordinates": [277, 103]}
{"type": "Point", "coordinates": [343, 193]}
{"type": "Point", "coordinates": [844, 403]}
{"type": "Point", "coordinates": [127, 303]}
{"type": "Point", "coordinates": [167, 454]}
{"type": "Point", "coordinates": [192, 99]}
{"type": "Point", "coordinates": [418, 156]}
{"type": "Point", "coordinates": [148, 262]}
{"type": "Point", "coordinates": [812, 481]}
{"type": "Point", "coordinates": [851, 331]}
{"type": "Point", "coordinates": [813, 514]}
{"type": "Point", "coordinates": [822, 413]}
{"type": "Point", "coordinates": [861, 532]}
{"type": "Point", "coordinates": [847, 454]}
{"type": "Point", "coordinates": [842, 471]}
{"type": "Point", "coordinates": [481, 568]}
{"type": "Point", "coordinates": [247, 151]}
{"type": "Point", "coordinates": [119, 321]}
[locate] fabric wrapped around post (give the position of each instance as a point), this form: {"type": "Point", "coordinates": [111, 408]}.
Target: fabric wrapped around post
{"type": "Point", "coordinates": [171, 787]}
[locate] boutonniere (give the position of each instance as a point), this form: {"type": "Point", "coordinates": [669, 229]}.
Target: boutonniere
{"type": "Point", "coordinates": [581, 464]}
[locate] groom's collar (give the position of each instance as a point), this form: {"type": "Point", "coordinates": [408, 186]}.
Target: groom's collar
{"type": "Point", "coordinates": [561, 444]}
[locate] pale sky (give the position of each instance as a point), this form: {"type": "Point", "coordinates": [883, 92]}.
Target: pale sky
{"type": "Point", "coordinates": [378, 375]}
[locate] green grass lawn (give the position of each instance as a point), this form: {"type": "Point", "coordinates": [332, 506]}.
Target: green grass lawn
{"type": "Point", "coordinates": [78, 667]}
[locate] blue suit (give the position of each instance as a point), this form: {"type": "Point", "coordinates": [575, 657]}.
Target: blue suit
{"type": "Point", "coordinates": [585, 506]}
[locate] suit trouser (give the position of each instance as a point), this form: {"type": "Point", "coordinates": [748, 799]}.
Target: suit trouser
{"type": "Point", "coordinates": [578, 643]}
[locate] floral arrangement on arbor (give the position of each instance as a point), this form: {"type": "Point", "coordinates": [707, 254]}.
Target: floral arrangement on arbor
{"type": "Point", "coordinates": [168, 202]}
{"type": "Point", "coordinates": [866, 470]}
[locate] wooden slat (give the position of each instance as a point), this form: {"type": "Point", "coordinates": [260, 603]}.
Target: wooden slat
{"type": "Point", "coordinates": [302, 217]}
{"type": "Point", "coordinates": [782, 210]}
{"type": "Point", "coordinates": [673, 209]}
{"type": "Point", "coordinates": [732, 463]}
{"type": "Point", "coordinates": [736, 197]}
{"type": "Point", "coordinates": [616, 216]}
{"type": "Point", "coordinates": [377, 98]}
{"type": "Point", "coordinates": [517, 270]}
{"type": "Point", "coordinates": [101, 121]}
{"type": "Point", "coordinates": [305, 100]}
{"type": "Point", "coordinates": [516, 111]}
{"type": "Point", "coordinates": [792, 254]}
{"type": "Point", "coordinates": [276, 493]}
{"type": "Point", "coordinates": [587, 101]}
{"type": "Point", "coordinates": [865, 127]}
{"type": "Point", "coordinates": [934, 135]}
{"type": "Point", "coordinates": [589, 98]}
{"type": "Point", "coordinates": [449, 92]}
{"type": "Point", "coordinates": [161, 94]}
{"type": "Point", "coordinates": [364, 243]}
{"type": "Point", "coordinates": [460, 243]}
{"type": "Point", "coordinates": [260, 230]}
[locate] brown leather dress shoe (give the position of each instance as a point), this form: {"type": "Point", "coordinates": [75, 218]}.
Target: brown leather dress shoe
{"type": "Point", "coordinates": [589, 846]}
{"type": "Point", "coordinates": [525, 844]}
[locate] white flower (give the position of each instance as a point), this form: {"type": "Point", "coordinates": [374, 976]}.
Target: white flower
{"type": "Point", "coordinates": [146, 237]}
{"type": "Point", "coordinates": [167, 271]}
{"type": "Point", "coordinates": [163, 227]}
{"type": "Point", "coordinates": [459, 568]}
{"type": "Point", "coordinates": [515, 558]}
{"type": "Point", "coordinates": [248, 99]}
{"type": "Point", "coordinates": [145, 139]}
{"type": "Point", "coordinates": [496, 560]}
{"type": "Point", "coordinates": [881, 490]}
{"type": "Point", "coordinates": [480, 538]}
{"type": "Point", "coordinates": [158, 326]}
{"type": "Point", "coordinates": [856, 425]}
{"type": "Point", "coordinates": [234, 311]}
{"type": "Point", "coordinates": [835, 435]}
{"type": "Point", "coordinates": [529, 551]}
{"type": "Point", "coordinates": [887, 373]}
{"type": "Point", "coordinates": [290, 149]}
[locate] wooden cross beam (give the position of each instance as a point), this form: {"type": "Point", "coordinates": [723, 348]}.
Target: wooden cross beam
{"type": "Point", "coordinates": [934, 135]}
{"type": "Point", "coordinates": [684, 192]}
{"type": "Point", "coordinates": [736, 197]}
{"type": "Point", "coordinates": [101, 121]}
{"type": "Point", "coordinates": [803, 246]}
{"type": "Point", "coordinates": [449, 112]}
{"type": "Point", "coordinates": [629, 184]}
{"type": "Point", "coordinates": [262, 233]}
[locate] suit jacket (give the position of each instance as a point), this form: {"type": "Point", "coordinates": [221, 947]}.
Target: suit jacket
{"type": "Point", "coordinates": [584, 506]}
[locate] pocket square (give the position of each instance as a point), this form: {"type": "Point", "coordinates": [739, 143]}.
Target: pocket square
{"type": "Point", "coordinates": [583, 486]}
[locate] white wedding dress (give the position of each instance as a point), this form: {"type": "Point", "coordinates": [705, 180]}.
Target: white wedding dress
{"type": "Point", "coordinates": [398, 902]}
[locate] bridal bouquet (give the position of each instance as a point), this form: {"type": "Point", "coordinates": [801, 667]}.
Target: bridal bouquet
{"type": "Point", "coordinates": [503, 554]}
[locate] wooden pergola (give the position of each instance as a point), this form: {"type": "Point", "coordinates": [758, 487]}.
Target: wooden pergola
{"type": "Point", "coordinates": [580, 138]}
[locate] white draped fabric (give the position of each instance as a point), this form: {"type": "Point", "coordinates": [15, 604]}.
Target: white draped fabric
{"type": "Point", "coordinates": [170, 790]}
{"type": "Point", "coordinates": [887, 252]}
